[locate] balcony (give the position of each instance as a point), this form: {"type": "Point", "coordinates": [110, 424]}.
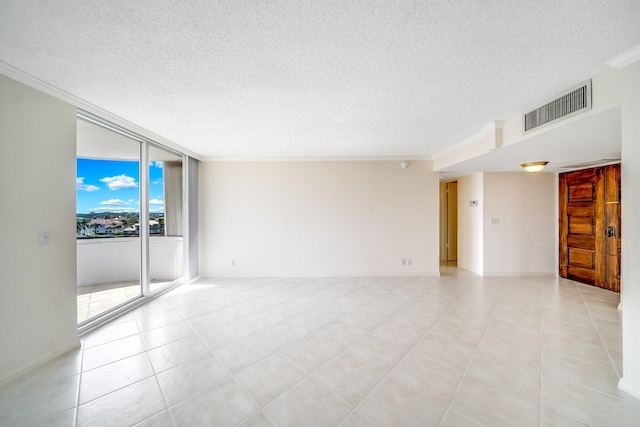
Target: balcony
{"type": "Point", "coordinates": [109, 270]}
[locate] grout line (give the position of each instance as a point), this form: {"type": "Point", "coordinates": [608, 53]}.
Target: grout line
{"type": "Point", "coordinates": [541, 344]}
{"type": "Point", "coordinates": [312, 333]}
{"type": "Point", "coordinates": [355, 408]}
{"type": "Point", "coordinates": [378, 296]}
{"type": "Point", "coordinates": [595, 325]}
{"type": "Point", "coordinates": [196, 334]}
{"type": "Point", "coordinates": [77, 408]}
{"type": "Point", "coordinates": [384, 377]}
{"type": "Point", "coordinates": [289, 345]}
{"type": "Point", "coordinates": [278, 351]}
{"type": "Point", "coordinates": [566, 380]}
{"type": "Point", "coordinates": [155, 377]}
{"type": "Point", "coordinates": [466, 370]}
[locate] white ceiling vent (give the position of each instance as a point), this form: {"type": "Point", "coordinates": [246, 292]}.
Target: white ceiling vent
{"type": "Point", "coordinates": [574, 101]}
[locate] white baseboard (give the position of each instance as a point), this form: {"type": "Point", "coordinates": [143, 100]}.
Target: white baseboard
{"type": "Point", "coordinates": [518, 274]}
{"type": "Point", "coordinates": [470, 270]}
{"type": "Point", "coordinates": [629, 388]}
{"type": "Point", "coordinates": [410, 273]}
{"type": "Point", "coordinates": [35, 365]}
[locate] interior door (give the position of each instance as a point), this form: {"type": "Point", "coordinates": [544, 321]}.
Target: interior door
{"type": "Point", "coordinates": [590, 226]}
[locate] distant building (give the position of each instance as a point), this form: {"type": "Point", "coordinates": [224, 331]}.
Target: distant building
{"type": "Point", "coordinates": [155, 227]}
{"type": "Point", "coordinates": [108, 226]}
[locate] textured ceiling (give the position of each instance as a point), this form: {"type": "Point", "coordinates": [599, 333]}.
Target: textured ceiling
{"type": "Point", "coordinates": [358, 78]}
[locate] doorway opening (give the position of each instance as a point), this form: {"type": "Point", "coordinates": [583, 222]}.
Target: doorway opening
{"type": "Point", "coordinates": [448, 225]}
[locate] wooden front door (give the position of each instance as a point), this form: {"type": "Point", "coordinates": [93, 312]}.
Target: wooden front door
{"type": "Point", "coordinates": [613, 228]}
{"type": "Point", "coordinates": [590, 226]}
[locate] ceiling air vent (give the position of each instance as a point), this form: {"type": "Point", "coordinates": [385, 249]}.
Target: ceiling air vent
{"type": "Point", "coordinates": [574, 101]}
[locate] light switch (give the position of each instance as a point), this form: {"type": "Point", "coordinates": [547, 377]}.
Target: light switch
{"type": "Point", "coordinates": [495, 221]}
{"type": "Point", "coordinates": [45, 237]}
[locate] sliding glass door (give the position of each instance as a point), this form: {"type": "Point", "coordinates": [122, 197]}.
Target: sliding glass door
{"type": "Point", "coordinates": [107, 219]}
{"type": "Point", "coordinates": [165, 217]}
{"type": "Point", "coordinates": [129, 220]}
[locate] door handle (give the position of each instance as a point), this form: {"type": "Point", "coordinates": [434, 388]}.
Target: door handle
{"type": "Point", "coordinates": [611, 232]}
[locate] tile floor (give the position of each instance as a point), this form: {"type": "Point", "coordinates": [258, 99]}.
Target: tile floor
{"type": "Point", "coordinates": [456, 350]}
{"type": "Point", "coordinates": [96, 299]}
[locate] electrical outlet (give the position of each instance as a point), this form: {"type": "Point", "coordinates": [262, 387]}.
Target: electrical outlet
{"type": "Point", "coordinates": [45, 237]}
{"type": "Point", "coordinates": [403, 261]}
{"type": "Point", "coordinates": [233, 262]}
{"type": "Point", "coordinates": [409, 261]}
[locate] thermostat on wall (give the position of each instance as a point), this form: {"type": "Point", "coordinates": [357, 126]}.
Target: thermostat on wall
{"type": "Point", "coordinates": [473, 203]}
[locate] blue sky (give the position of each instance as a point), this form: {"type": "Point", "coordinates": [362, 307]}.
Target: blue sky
{"type": "Point", "coordinates": [114, 186]}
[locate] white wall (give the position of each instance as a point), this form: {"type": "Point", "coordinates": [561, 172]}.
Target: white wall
{"type": "Point", "coordinates": [443, 221]}
{"type": "Point", "coordinates": [97, 258]}
{"type": "Point", "coordinates": [318, 218]}
{"type": "Point", "coordinates": [630, 89]}
{"type": "Point", "coordinates": [37, 175]}
{"type": "Point", "coordinates": [525, 239]}
{"type": "Point", "coordinates": [470, 223]}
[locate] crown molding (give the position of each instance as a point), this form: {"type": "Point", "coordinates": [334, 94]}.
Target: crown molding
{"type": "Point", "coordinates": [51, 90]}
{"type": "Point", "coordinates": [625, 58]}
{"type": "Point", "coordinates": [317, 159]}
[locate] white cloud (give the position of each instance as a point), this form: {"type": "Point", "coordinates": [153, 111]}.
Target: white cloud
{"type": "Point", "coordinates": [81, 186]}
{"type": "Point", "coordinates": [157, 164]}
{"type": "Point", "coordinates": [119, 182]}
{"type": "Point", "coordinates": [114, 202]}
{"type": "Point", "coordinates": [156, 202]}
{"type": "Point", "coordinates": [157, 181]}
{"type": "Point", "coordinates": [112, 209]}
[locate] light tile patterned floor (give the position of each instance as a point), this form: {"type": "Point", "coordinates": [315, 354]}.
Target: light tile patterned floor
{"type": "Point", "coordinates": [96, 299]}
{"type": "Point", "coordinates": [456, 350]}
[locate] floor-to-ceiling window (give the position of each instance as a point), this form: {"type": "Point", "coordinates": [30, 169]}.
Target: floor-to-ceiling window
{"type": "Point", "coordinates": [165, 217]}
{"type": "Point", "coordinates": [129, 217]}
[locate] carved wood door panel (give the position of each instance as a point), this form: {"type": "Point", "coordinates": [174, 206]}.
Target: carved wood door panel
{"type": "Point", "coordinates": [590, 226]}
